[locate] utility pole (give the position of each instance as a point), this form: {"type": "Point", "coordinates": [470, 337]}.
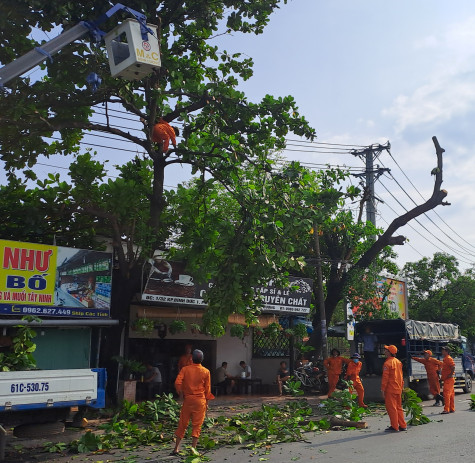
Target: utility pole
{"type": "Point", "coordinates": [320, 293]}
{"type": "Point", "coordinates": [371, 154]}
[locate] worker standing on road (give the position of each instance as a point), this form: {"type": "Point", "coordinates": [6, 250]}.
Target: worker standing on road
{"type": "Point", "coordinates": [193, 383]}
{"type": "Point", "coordinates": [353, 373]}
{"type": "Point", "coordinates": [334, 366]}
{"type": "Point", "coordinates": [432, 366]}
{"type": "Point", "coordinates": [448, 377]}
{"type": "Point", "coordinates": [392, 384]}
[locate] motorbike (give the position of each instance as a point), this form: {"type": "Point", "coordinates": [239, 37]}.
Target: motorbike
{"type": "Point", "coordinates": [312, 376]}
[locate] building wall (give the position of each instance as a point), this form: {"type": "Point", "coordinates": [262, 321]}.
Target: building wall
{"type": "Point", "coordinates": [233, 350]}
{"type": "Point", "coordinates": [58, 349]}
{"type": "Point", "coordinates": [267, 368]}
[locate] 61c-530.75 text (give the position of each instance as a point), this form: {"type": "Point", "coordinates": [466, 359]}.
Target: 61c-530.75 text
{"type": "Point", "coordinates": [29, 387]}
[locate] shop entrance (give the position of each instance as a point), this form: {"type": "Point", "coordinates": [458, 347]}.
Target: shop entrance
{"type": "Point", "coordinates": [165, 353]}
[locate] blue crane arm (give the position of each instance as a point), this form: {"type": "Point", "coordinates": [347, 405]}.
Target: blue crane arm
{"type": "Point", "coordinates": [37, 55]}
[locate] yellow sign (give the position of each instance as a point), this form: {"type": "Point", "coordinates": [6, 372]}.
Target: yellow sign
{"type": "Point", "coordinates": [28, 273]}
{"type": "Point", "coordinates": [39, 279]}
{"type": "Point", "coordinates": [397, 296]}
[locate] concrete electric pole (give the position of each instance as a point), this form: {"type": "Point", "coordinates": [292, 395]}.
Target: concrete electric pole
{"type": "Point", "coordinates": [371, 154]}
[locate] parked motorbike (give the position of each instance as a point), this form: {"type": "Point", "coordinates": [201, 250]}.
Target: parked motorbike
{"type": "Point", "coordinates": [312, 376]}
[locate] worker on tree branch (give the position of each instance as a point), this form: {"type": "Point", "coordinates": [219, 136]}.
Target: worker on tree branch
{"type": "Point", "coordinates": [163, 132]}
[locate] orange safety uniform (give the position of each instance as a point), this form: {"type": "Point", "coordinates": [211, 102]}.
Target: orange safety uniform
{"type": "Point", "coordinates": [392, 384]}
{"type": "Point", "coordinates": [194, 381]}
{"type": "Point", "coordinates": [185, 360]}
{"type": "Point", "coordinates": [447, 376]}
{"type": "Point", "coordinates": [163, 132]}
{"type": "Point", "coordinates": [334, 366]}
{"type": "Point", "coordinates": [432, 366]}
{"type": "Point", "coordinates": [353, 373]}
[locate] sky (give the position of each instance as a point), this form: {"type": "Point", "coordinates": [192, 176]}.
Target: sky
{"type": "Point", "coordinates": [369, 71]}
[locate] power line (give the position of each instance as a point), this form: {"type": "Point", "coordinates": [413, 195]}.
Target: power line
{"type": "Point", "coordinates": [430, 219]}
{"type": "Point", "coordinates": [425, 228]}
{"type": "Point", "coordinates": [424, 237]}
{"type": "Point", "coordinates": [405, 244]}
{"type": "Point", "coordinates": [67, 168]}
{"type": "Point", "coordinates": [434, 211]}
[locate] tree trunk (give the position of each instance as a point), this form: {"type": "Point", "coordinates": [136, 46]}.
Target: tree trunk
{"type": "Point", "coordinates": [157, 201]}
{"type": "Point", "coordinates": [123, 290]}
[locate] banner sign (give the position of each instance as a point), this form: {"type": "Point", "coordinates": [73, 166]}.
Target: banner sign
{"type": "Point", "coordinates": [397, 295]}
{"type": "Point", "coordinates": [54, 281]}
{"type": "Point", "coordinates": [168, 283]}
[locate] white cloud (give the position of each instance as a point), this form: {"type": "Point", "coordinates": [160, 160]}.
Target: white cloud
{"type": "Point", "coordinates": [449, 90]}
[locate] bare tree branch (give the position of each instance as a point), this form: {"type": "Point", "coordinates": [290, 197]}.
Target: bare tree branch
{"type": "Point", "coordinates": [435, 200]}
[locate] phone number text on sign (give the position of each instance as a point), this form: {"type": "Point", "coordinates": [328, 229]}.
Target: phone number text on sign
{"type": "Point", "coordinates": [29, 387]}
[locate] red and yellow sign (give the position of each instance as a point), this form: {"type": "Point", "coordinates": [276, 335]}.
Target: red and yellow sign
{"type": "Point", "coordinates": [28, 273]}
{"type": "Point", "coordinates": [44, 280]}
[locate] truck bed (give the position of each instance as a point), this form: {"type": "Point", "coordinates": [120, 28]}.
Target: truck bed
{"type": "Point", "coordinates": [23, 390]}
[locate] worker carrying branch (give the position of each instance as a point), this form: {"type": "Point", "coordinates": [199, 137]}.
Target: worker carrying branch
{"type": "Point", "coordinates": [163, 133]}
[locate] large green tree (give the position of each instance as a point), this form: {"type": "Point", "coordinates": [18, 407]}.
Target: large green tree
{"type": "Point", "coordinates": [197, 87]}
{"type": "Point", "coordinates": [439, 292]}
{"type": "Point", "coordinates": [260, 229]}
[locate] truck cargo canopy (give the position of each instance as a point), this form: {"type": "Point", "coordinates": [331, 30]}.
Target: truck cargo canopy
{"type": "Point", "coordinates": [430, 330]}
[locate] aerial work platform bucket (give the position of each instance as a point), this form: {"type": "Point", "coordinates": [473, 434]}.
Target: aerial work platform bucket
{"type": "Point", "coordinates": [130, 56]}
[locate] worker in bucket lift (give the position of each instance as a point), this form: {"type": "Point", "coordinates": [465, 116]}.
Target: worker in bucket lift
{"type": "Point", "coordinates": [433, 367]}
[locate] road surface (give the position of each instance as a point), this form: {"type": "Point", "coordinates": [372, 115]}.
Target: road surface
{"type": "Point", "coordinates": [448, 438]}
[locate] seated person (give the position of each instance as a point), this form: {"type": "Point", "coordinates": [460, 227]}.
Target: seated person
{"type": "Point", "coordinates": [153, 378]}
{"type": "Point", "coordinates": [223, 379]}
{"type": "Point", "coordinates": [246, 370]}
{"type": "Point", "coordinates": [282, 375]}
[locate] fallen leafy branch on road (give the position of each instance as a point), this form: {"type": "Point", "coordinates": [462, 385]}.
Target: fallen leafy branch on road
{"type": "Point", "coordinates": [411, 404]}
{"type": "Point", "coordinates": [344, 406]}
{"type": "Point", "coordinates": [152, 424]}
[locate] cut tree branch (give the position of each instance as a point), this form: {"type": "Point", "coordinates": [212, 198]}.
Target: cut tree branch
{"type": "Point", "coordinates": [435, 200]}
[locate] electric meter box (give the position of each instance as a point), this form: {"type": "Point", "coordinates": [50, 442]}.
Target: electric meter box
{"type": "Point", "coordinates": [130, 56]}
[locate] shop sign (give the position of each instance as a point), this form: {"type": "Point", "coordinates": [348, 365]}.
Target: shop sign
{"type": "Point", "coordinates": [168, 283]}
{"type": "Point", "coordinates": [54, 281]}
{"type": "Point", "coordinates": [397, 296]}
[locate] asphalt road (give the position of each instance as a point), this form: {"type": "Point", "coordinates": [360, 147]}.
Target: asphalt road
{"type": "Point", "coordinates": [448, 438]}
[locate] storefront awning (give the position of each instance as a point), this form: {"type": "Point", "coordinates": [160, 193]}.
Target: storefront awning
{"type": "Point", "coordinates": [179, 313]}
{"type": "Point", "coordinates": [59, 322]}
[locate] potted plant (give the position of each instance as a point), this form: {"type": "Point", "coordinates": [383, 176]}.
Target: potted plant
{"type": "Point", "coordinates": [300, 331]}
{"type": "Point", "coordinates": [177, 326]}
{"type": "Point", "coordinates": [258, 331]}
{"type": "Point", "coordinates": [144, 325]}
{"type": "Point", "coordinates": [289, 332]}
{"type": "Point", "coordinates": [273, 330]}
{"type": "Point", "coordinates": [237, 331]}
{"type": "Point", "coordinates": [130, 367]}
{"type": "Point", "coordinates": [195, 328]}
